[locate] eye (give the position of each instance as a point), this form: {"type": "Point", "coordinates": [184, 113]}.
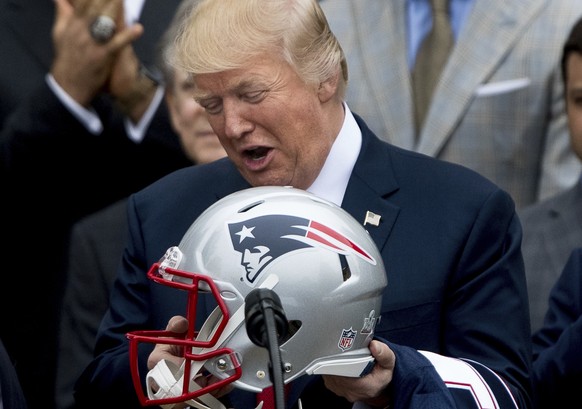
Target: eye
{"type": "Point", "coordinates": [187, 86]}
{"type": "Point", "coordinates": [211, 106]}
{"type": "Point", "coordinates": [255, 96]}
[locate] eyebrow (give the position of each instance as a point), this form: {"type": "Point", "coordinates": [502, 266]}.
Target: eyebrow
{"type": "Point", "coordinates": [243, 86]}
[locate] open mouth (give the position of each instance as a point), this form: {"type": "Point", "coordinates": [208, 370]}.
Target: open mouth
{"type": "Point", "coordinates": [257, 153]}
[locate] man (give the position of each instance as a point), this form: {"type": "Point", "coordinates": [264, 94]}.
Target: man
{"type": "Point", "coordinates": [498, 106]}
{"type": "Point", "coordinates": [450, 239]}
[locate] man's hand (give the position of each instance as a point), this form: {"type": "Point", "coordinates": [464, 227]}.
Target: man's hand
{"type": "Point", "coordinates": [81, 65]}
{"type": "Point", "coordinates": [371, 388]}
{"type": "Point", "coordinates": [132, 89]}
{"type": "Point", "coordinates": [173, 353]}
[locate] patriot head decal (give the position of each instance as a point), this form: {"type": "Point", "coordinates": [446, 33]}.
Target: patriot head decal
{"type": "Point", "coordinates": [262, 239]}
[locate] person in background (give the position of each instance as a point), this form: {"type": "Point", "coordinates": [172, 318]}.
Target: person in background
{"type": "Point", "coordinates": [90, 131]}
{"type": "Point", "coordinates": [552, 228]}
{"type": "Point", "coordinates": [449, 238]}
{"type": "Point", "coordinates": [557, 362]}
{"type": "Point", "coordinates": [498, 106]}
{"type": "Point", "coordinates": [97, 240]}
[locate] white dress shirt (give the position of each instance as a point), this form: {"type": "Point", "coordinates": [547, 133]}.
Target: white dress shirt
{"type": "Point", "coordinates": [332, 181]}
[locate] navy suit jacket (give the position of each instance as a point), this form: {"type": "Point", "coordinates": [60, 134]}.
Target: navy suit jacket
{"type": "Point", "coordinates": [450, 240]}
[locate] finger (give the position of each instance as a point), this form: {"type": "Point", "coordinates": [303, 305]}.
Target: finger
{"type": "Point", "coordinates": [125, 37]}
{"type": "Point", "coordinates": [63, 12]}
{"type": "Point", "coordinates": [62, 8]}
{"type": "Point", "coordinates": [177, 324]}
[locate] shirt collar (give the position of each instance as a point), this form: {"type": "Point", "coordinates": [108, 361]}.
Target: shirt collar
{"type": "Point", "coordinates": [332, 181]}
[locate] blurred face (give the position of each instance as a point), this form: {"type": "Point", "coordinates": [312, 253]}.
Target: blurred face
{"type": "Point", "coordinates": [274, 127]}
{"type": "Point", "coordinates": [190, 122]}
{"type": "Point", "coordinates": [574, 100]}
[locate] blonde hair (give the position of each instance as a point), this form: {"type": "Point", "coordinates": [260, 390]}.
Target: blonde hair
{"type": "Point", "coordinates": [221, 35]}
{"type": "Point", "coordinates": [165, 46]}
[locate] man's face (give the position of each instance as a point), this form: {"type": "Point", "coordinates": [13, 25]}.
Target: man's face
{"type": "Point", "coordinates": [191, 122]}
{"type": "Point", "coordinates": [269, 121]}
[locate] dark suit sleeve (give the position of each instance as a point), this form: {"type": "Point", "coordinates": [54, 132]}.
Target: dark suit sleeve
{"type": "Point", "coordinates": [486, 313]}
{"type": "Point", "coordinates": [487, 316]}
{"type": "Point", "coordinates": [557, 345]}
{"type": "Point", "coordinates": [43, 135]}
{"type": "Point", "coordinates": [424, 379]}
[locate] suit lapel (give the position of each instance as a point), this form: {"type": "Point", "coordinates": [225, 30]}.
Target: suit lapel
{"type": "Point", "coordinates": [486, 39]}
{"type": "Point", "coordinates": [370, 185]}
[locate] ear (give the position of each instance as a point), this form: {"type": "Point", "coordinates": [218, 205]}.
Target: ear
{"type": "Point", "coordinates": [328, 88]}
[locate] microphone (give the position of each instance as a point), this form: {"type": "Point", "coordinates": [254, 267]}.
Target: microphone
{"type": "Point", "coordinates": [257, 302]}
{"type": "Point", "coordinates": [267, 327]}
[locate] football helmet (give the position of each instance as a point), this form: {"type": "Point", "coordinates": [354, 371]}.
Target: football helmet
{"type": "Point", "coordinates": [321, 263]}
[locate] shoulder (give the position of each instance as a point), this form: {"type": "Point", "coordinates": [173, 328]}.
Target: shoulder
{"type": "Point", "coordinates": [199, 178]}
{"type": "Point", "coordinates": [415, 177]}
{"type": "Point", "coordinates": [419, 171]}
{"type": "Point", "coordinates": [185, 193]}
{"type": "Point", "coordinates": [571, 277]}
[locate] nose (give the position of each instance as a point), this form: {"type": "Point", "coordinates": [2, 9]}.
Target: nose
{"type": "Point", "coordinates": [236, 123]}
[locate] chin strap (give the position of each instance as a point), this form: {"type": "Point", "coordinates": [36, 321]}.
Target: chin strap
{"type": "Point", "coordinates": [169, 378]}
{"type": "Point", "coordinates": [163, 371]}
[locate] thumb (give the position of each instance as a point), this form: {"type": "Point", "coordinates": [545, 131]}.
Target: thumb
{"type": "Point", "coordinates": [382, 353]}
{"type": "Point", "coordinates": [177, 324]}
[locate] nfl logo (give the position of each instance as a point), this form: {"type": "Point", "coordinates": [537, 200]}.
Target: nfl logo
{"type": "Point", "coordinates": [347, 339]}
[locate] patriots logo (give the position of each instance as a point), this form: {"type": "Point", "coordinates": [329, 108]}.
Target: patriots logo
{"type": "Point", "coordinates": [262, 239]}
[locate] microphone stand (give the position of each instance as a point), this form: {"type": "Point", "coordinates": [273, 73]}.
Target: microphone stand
{"type": "Point", "coordinates": [267, 326]}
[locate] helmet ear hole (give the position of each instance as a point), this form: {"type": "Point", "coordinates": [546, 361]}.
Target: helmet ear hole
{"type": "Point", "coordinates": [292, 329]}
{"type": "Point", "coordinates": [346, 272]}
